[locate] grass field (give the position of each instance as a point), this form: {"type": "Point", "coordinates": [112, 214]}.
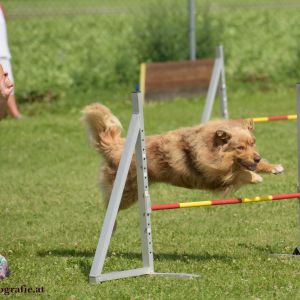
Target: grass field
{"type": "Point", "coordinates": [52, 212]}
{"type": "Point", "coordinates": [51, 208]}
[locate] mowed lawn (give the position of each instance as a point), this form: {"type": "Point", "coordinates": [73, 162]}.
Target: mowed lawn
{"type": "Point", "coordinates": [51, 210]}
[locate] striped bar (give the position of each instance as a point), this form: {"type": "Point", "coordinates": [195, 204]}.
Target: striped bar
{"type": "Point", "coordinates": [275, 118]}
{"type": "Point", "coordinates": [225, 201]}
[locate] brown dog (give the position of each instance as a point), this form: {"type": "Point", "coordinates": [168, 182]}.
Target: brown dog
{"type": "Point", "coordinates": [217, 156]}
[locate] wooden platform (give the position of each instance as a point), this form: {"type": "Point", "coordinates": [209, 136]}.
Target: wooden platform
{"type": "Point", "coordinates": [175, 78]}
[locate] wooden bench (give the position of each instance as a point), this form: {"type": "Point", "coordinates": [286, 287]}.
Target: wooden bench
{"type": "Point", "coordinates": [167, 80]}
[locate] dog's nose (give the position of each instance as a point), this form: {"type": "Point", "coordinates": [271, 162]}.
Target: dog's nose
{"type": "Point", "coordinates": [257, 158]}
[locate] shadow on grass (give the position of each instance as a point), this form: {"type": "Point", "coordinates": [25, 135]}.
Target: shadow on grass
{"type": "Point", "coordinates": [85, 265]}
{"type": "Point", "coordinates": [135, 255]}
{"type": "Point", "coordinates": [267, 249]}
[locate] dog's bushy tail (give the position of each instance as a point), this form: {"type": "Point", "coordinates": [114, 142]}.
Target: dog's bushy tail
{"type": "Point", "coordinates": [104, 128]}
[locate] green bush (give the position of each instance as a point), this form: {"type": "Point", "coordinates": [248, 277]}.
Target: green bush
{"type": "Point", "coordinates": [209, 30]}
{"type": "Point", "coordinates": [261, 44]}
{"type": "Point", "coordinates": [160, 31]}
{"type": "Point", "coordinates": [60, 54]}
{"type": "Point", "coordinates": [103, 52]}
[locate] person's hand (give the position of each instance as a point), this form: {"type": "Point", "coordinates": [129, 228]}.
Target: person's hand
{"type": "Point", "coordinates": [6, 86]}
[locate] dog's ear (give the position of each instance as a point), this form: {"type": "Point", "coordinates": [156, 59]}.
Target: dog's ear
{"type": "Point", "coordinates": [249, 124]}
{"type": "Point", "coordinates": [222, 137]}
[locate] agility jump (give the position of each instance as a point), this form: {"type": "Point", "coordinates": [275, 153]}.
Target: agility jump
{"type": "Point", "coordinates": [218, 82]}
{"type": "Point", "coordinates": [136, 141]}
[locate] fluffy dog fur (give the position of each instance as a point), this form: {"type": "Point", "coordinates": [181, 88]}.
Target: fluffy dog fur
{"type": "Point", "coordinates": [218, 156]}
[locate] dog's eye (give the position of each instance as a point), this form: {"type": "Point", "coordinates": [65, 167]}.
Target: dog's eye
{"type": "Point", "coordinates": [241, 148]}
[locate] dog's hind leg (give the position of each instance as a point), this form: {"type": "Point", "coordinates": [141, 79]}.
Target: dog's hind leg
{"type": "Point", "coordinates": [130, 192]}
{"type": "Point", "coordinates": [128, 199]}
{"type": "Point", "coordinates": [265, 167]}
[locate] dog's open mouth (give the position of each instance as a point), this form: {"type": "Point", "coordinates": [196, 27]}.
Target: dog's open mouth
{"type": "Point", "coordinates": [248, 166]}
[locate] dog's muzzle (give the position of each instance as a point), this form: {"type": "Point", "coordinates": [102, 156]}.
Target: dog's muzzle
{"type": "Point", "coordinates": [251, 167]}
{"type": "Point", "coordinates": [248, 165]}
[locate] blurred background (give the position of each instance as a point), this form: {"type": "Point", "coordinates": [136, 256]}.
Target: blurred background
{"type": "Point", "coordinates": [96, 46]}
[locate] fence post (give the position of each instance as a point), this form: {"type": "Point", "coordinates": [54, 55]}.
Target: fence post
{"type": "Point", "coordinates": [223, 91]}
{"type": "Point", "coordinates": [192, 29]}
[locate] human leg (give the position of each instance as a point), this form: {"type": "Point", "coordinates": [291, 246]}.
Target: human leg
{"type": "Point", "coordinates": [11, 104]}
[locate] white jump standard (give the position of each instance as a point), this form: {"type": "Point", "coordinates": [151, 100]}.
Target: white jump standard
{"type": "Point", "coordinates": [217, 80]}
{"type": "Point", "coordinates": [135, 141]}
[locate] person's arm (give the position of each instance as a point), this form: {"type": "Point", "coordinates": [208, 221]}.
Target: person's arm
{"type": "Point", "coordinates": [3, 10]}
{"type": "Point", "coordinates": [6, 86]}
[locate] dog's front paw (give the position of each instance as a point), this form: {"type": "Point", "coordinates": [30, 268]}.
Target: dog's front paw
{"type": "Point", "coordinates": [277, 169]}
{"type": "Point", "coordinates": [256, 178]}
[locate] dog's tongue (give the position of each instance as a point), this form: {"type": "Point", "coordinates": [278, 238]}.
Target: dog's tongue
{"type": "Point", "coordinates": [252, 167]}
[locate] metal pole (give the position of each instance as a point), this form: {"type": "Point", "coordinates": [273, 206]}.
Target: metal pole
{"type": "Point", "coordinates": [192, 29]}
{"type": "Point", "coordinates": [298, 140]}
{"type": "Point", "coordinates": [212, 89]}
{"type": "Point", "coordinates": [143, 186]}
{"type": "Point", "coordinates": [115, 199]}
{"type": "Point", "coordinates": [223, 92]}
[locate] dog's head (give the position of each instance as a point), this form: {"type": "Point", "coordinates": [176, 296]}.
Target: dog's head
{"type": "Point", "coordinates": [239, 143]}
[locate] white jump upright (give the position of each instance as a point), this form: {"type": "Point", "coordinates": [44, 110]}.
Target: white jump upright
{"type": "Point", "coordinates": [217, 80]}
{"type": "Point", "coordinates": [297, 249]}
{"type": "Point", "coordinates": [135, 141]}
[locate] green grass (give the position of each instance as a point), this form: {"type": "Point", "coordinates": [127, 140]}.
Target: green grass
{"type": "Point", "coordinates": [51, 209]}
